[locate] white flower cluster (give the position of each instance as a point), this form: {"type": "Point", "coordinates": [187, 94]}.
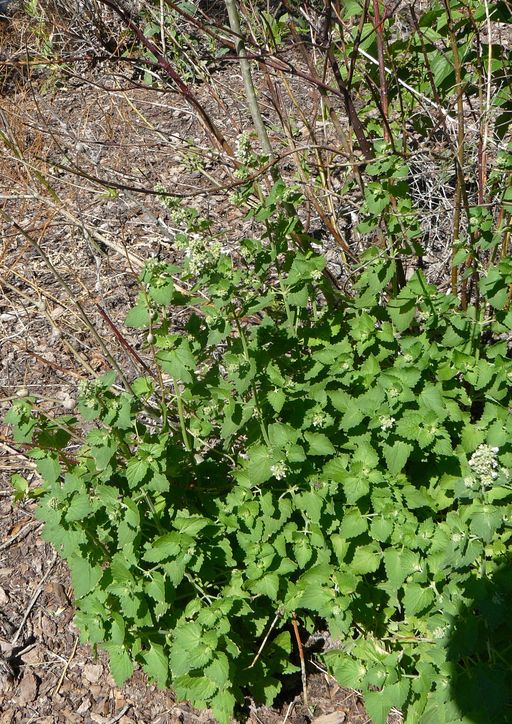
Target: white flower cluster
{"type": "Point", "coordinates": [484, 464]}
{"type": "Point", "coordinates": [279, 470]}
{"type": "Point", "coordinates": [387, 422]}
{"type": "Point", "coordinates": [319, 419]}
{"type": "Point", "coordinates": [87, 391]}
{"type": "Point", "coordinates": [199, 252]}
{"type": "Point", "coordinates": [243, 149]}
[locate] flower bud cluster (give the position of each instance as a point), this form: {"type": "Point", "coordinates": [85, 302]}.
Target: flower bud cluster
{"type": "Point", "coordinates": [279, 470]}
{"type": "Point", "coordinates": [484, 464]}
{"type": "Point", "coordinates": [200, 252]}
{"type": "Point", "coordinates": [387, 422]}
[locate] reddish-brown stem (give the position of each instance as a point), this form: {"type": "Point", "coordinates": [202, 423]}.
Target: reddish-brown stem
{"type": "Point", "coordinates": [167, 68]}
{"type": "Point", "coordinates": [302, 659]}
{"type": "Point", "coordinates": [123, 341]}
{"type": "Point", "coordinates": [382, 69]}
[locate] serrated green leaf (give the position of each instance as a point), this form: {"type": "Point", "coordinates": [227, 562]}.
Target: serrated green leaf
{"type": "Point", "coordinates": [84, 576]}
{"type": "Point", "coordinates": [162, 293]}
{"type": "Point", "coordinates": [353, 523]}
{"type": "Point", "coordinates": [276, 398]}
{"type": "Point", "coordinates": [103, 455]}
{"type": "Point", "coordinates": [190, 525]}
{"type": "Point", "coordinates": [121, 664]}
{"type": "Point", "coordinates": [20, 486]}
{"type": "Point", "coordinates": [396, 455]}
{"type": "Point", "coordinates": [399, 564]}
{"type": "Point", "coordinates": [259, 464]}
{"type": "Point", "coordinates": [381, 528]}
{"type": "Point", "coordinates": [432, 399]}
{"type": "Point", "coordinates": [120, 571]}
{"type": "Point", "coordinates": [136, 471]}
{"type": "Point", "coordinates": [367, 559]}
{"type": "Point", "coordinates": [268, 585]}
{"type": "Point", "coordinates": [355, 488]}
{"type": "Point", "coordinates": [189, 651]}
{"type": "Point", "coordinates": [379, 703]}
{"type": "Point", "coordinates": [157, 664]}
{"type": "Point", "coordinates": [218, 670]}
{"type": "Point", "coordinates": [347, 670]}
{"type": "Point", "coordinates": [166, 546]}
{"type": "Point", "coordinates": [302, 552]}
{"type": "Point", "coordinates": [138, 316]}
{"type": "Point", "coordinates": [485, 521]}
{"type": "Point", "coordinates": [402, 309]}
{"type": "Point", "coordinates": [282, 435]}
{"type": "Point", "coordinates": [352, 418]}
{"type": "Point", "coordinates": [319, 443]}
{"type": "Point", "coordinates": [156, 587]}
{"type": "Point", "coordinates": [49, 469]}
{"type": "Point", "coordinates": [223, 706]}
{"type": "Point", "coordinates": [417, 598]}
{"type": "Point", "coordinates": [79, 508]}
{"type": "Point", "coordinates": [178, 362]}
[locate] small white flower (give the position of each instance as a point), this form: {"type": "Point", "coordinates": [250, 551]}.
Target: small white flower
{"type": "Point", "coordinates": [319, 419]}
{"type": "Point", "coordinates": [483, 462]}
{"type": "Point", "coordinates": [439, 632]}
{"type": "Point", "coordinates": [387, 422]}
{"type": "Point", "coordinates": [279, 470]}
{"type": "Point", "coordinates": [469, 481]}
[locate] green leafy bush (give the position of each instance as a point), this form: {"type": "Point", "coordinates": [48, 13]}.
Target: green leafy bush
{"type": "Point", "coordinates": [348, 462]}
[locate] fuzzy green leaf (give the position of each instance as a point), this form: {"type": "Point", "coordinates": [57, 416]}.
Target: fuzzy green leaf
{"type": "Point", "coordinates": [417, 598]}
{"type": "Point", "coordinates": [84, 576]}
{"type": "Point", "coordinates": [319, 444]}
{"type": "Point", "coordinates": [396, 455]}
{"type": "Point", "coordinates": [121, 664]}
{"type": "Point", "coordinates": [157, 664]}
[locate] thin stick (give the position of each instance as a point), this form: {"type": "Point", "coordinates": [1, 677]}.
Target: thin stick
{"type": "Point", "coordinates": [302, 659]}
{"type": "Point", "coordinates": [288, 711]}
{"type": "Point", "coordinates": [33, 600]}
{"type": "Point", "coordinates": [25, 530]}
{"type": "Point", "coordinates": [382, 68]}
{"type": "Point", "coordinates": [65, 669]}
{"type": "Point", "coordinates": [263, 643]}
{"type": "Point", "coordinates": [119, 714]}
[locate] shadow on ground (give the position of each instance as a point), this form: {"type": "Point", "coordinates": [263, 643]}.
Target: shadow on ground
{"type": "Point", "coordinates": [480, 650]}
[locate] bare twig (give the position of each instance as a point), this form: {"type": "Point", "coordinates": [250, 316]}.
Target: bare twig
{"type": "Point", "coordinates": [33, 600]}
{"type": "Point", "coordinates": [24, 531]}
{"type": "Point", "coordinates": [66, 667]}
{"type": "Point", "coordinates": [264, 642]}
{"type": "Point", "coordinates": [288, 711]}
{"type": "Point", "coordinates": [119, 714]}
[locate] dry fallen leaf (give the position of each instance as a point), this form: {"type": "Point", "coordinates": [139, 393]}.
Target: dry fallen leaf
{"type": "Point", "coordinates": [27, 689]}
{"type": "Point", "coordinates": [92, 672]}
{"type": "Point", "coordinates": [337, 717]}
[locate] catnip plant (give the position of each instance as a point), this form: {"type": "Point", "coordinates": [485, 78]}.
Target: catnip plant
{"type": "Point", "coordinates": [342, 461]}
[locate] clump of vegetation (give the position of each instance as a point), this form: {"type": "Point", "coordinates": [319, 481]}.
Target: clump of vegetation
{"type": "Point", "coordinates": [326, 448]}
{"type": "Point", "coordinates": [345, 463]}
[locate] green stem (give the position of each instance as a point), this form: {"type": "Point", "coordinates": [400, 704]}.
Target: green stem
{"type": "Point", "coordinates": [181, 415]}
{"type": "Point", "coordinates": [253, 386]}
{"type": "Point", "coordinates": [250, 91]}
